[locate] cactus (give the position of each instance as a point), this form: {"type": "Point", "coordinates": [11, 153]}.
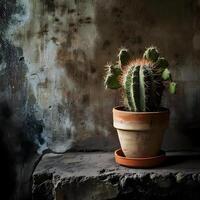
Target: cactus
{"type": "Point", "coordinates": [142, 79]}
{"type": "Point", "coordinates": [112, 75]}
{"type": "Point", "coordinates": [143, 86]}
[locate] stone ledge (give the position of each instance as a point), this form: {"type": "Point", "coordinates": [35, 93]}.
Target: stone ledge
{"type": "Point", "coordinates": [87, 176]}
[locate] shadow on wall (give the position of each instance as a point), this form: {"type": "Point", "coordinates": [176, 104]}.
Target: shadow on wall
{"type": "Point", "coordinates": [20, 130]}
{"type": "Point", "coordinates": [8, 161]}
{"type": "Point", "coordinates": [16, 150]}
{"type": "Point", "coordinates": [188, 115]}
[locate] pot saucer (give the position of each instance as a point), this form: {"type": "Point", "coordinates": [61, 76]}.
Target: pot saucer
{"type": "Point", "coordinates": [147, 162]}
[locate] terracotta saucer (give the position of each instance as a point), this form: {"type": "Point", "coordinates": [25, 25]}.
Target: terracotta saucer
{"type": "Point", "coordinates": [148, 162]}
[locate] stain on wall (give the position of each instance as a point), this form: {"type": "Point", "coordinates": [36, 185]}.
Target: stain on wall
{"type": "Point", "coordinates": [58, 39]}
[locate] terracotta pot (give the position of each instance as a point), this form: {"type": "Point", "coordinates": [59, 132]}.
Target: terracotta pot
{"type": "Point", "coordinates": [140, 133]}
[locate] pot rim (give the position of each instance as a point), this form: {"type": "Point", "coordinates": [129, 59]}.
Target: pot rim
{"type": "Point", "coordinates": [119, 109]}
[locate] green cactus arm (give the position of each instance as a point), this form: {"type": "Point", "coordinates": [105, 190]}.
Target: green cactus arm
{"type": "Point", "coordinates": [166, 75]}
{"type": "Point", "coordinates": [172, 87]}
{"type": "Point", "coordinates": [111, 80]}
{"type": "Point", "coordinates": [162, 63]}
{"type": "Point", "coordinates": [151, 54]}
{"type": "Point", "coordinates": [124, 57]}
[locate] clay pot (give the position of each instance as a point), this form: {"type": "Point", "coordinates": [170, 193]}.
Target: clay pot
{"type": "Point", "coordinates": [140, 133]}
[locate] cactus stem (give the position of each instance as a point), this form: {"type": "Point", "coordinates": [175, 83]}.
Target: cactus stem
{"type": "Point", "coordinates": [142, 90]}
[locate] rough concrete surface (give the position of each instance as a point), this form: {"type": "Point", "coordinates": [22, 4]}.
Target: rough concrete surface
{"type": "Point", "coordinates": [87, 176]}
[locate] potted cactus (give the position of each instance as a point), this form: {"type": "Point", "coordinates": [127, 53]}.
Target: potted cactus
{"type": "Point", "coordinates": [141, 121]}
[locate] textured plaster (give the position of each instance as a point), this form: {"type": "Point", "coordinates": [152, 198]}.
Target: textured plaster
{"type": "Point", "coordinates": [65, 45]}
{"type": "Point", "coordinates": [58, 42]}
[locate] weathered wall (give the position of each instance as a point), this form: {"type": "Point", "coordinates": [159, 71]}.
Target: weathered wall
{"type": "Point", "coordinates": [52, 54]}
{"type": "Point", "coordinates": [65, 43]}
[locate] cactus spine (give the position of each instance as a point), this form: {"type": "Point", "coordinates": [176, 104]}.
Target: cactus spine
{"type": "Point", "coordinates": [141, 79]}
{"type": "Point", "coordinates": [141, 88]}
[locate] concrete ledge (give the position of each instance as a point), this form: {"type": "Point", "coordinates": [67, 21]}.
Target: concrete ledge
{"type": "Point", "coordinates": [88, 176]}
